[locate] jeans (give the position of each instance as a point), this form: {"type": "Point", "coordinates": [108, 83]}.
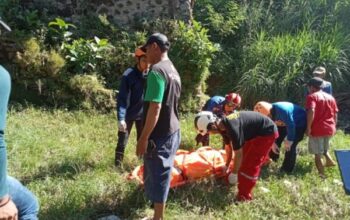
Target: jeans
{"type": "Point", "coordinates": [123, 139]}
{"type": "Point", "coordinates": [289, 156]}
{"type": "Point", "coordinates": [26, 203]}
{"type": "Point", "coordinates": [158, 165]}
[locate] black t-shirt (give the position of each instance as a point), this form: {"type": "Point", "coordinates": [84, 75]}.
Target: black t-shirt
{"type": "Point", "coordinates": [246, 125]}
{"type": "Point", "coordinates": [168, 121]}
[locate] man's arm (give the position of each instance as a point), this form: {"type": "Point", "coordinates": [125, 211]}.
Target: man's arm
{"type": "Point", "coordinates": [228, 149]}
{"type": "Point", "coordinates": [123, 95]}
{"type": "Point", "coordinates": [237, 160]}
{"type": "Point", "coordinates": [151, 119]}
{"type": "Point", "coordinates": [154, 95]}
{"type": "Point", "coordinates": [3, 172]}
{"type": "Point", "coordinates": [310, 119]}
{"type": "Point", "coordinates": [336, 118]}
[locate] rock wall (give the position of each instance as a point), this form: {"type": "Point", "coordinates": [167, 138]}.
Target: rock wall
{"type": "Point", "coordinates": [120, 11]}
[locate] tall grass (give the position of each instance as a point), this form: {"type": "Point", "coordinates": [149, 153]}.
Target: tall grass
{"type": "Point", "coordinates": [278, 67]}
{"type": "Point", "coordinates": [66, 159]}
{"type": "Point", "coordinates": [284, 40]}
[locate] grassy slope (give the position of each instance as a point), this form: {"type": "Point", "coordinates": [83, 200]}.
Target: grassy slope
{"type": "Point", "coordinates": [66, 158]}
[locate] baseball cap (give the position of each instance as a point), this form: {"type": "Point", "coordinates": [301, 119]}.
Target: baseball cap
{"type": "Point", "coordinates": [315, 81]}
{"type": "Point", "coordinates": [4, 25]}
{"type": "Point", "coordinates": [158, 38]}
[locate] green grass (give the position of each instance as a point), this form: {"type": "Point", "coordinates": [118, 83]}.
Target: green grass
{"type": "Point", "coordinates": [66, 159]}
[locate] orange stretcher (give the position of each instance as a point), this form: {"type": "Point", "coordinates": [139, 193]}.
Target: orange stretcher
{"type": "Point", "coordinates": [190, 166]}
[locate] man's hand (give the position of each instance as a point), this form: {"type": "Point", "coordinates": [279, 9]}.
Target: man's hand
{"type": "Point", "coordinates": [226, 170]}
{"type": "Point", "coordinates": [275, 148]}
{"type": "Point", "coordinates": [308, 132]}
{"type": "Point", "coordinates": [8, 210]}
{"type": "Point", "coordinates": [287, 144]}
{"type": "Point", "coordinates": [141, 146]}
{"type": "Point", "coordinates": [122, 126]}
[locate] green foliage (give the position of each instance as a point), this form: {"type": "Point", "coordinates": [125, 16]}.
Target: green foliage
{"type": "Point", "coordinates": [222, 18]}
{"type": "Point", "coordinates": [66, 159]}
{"type": "Point", "coordinates": [60, 31]}
{"type": "Point", "coordinates": [192, 54]}
{"type": "Point", "coordinates": [83, 55]}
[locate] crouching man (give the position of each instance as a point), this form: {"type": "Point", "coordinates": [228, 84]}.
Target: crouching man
{"type": "Point", "coordinates": [251, 136]}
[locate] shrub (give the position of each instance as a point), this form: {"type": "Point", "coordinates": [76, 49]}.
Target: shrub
{"type": "Point", "coordinates": [192, 54]}
{"type": "Point", "coordinates": [37, 63]}
{"type": "Point", "coordinates": [90, 93]}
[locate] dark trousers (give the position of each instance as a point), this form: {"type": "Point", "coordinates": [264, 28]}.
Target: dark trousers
{"type": "Point", "coordinates": [204, 139]}
{"type": "Point", "coordinates": [123, 139]}
{"type": "Point", "coordinates": [289, 156]}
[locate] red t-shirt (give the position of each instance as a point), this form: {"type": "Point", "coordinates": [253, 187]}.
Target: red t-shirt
{"type": "Point", "coordinates": [325, 109]}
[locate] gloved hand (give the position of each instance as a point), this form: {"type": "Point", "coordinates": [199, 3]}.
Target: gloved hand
{"type": "Point", "coordinates": [233, 178]}
{"type": "Point", "coordinates": [287, 144]}
{"type": "Point", "coordinates": [275, 148]}
{"type": "Point", "coordinates": [122, 126]}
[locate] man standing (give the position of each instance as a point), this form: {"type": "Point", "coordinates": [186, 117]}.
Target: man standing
{"type": "Point", "coordinates": [160, 137]}
{"type": "Point", "coordinates": [130, 103]}
{"type": "Point", "coordinates": [321, 123]}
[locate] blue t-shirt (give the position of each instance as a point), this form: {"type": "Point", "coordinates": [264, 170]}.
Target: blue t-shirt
{"type": "Point", "coordinates": [5, 88]}
{"type": "Point", "coordinates": [293, 116]}
{"type": "Point", "coordinates": [327, 87]}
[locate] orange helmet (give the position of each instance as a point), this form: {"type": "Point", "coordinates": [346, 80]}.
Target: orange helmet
{"type": "Point", "coordinates": [263, 107]}
{"type": "Point", "coordinates": [139, 52]}
{"type": "Point", "coordinates": [234, 98]}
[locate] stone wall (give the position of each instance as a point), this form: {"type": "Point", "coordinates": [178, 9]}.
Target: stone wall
{"type": "Point", "coordinates": [120, 11]}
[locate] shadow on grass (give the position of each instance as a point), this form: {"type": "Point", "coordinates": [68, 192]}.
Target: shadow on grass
{"type": "Point", "coordinates": [97, 207]}
{"type": "Point", "coordinates": [300, 170]}
{"type": "Point", "coordinates": [209, 194]}
{"type": "Point", "coordinates": [66, 169]}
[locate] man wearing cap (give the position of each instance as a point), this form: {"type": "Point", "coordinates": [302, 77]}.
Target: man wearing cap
{"type": "Point", "coordinates": [321, 123]}
{"type": "Point", "coordinates": [160, 137]}
{"type": "Point", "coordinates": [130, 102]}
{"type": "Point", "coordinates": [16, 201]}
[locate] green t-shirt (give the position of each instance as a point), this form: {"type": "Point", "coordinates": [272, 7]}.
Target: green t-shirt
{"type": "Point", "coordinates": [155, 87]}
